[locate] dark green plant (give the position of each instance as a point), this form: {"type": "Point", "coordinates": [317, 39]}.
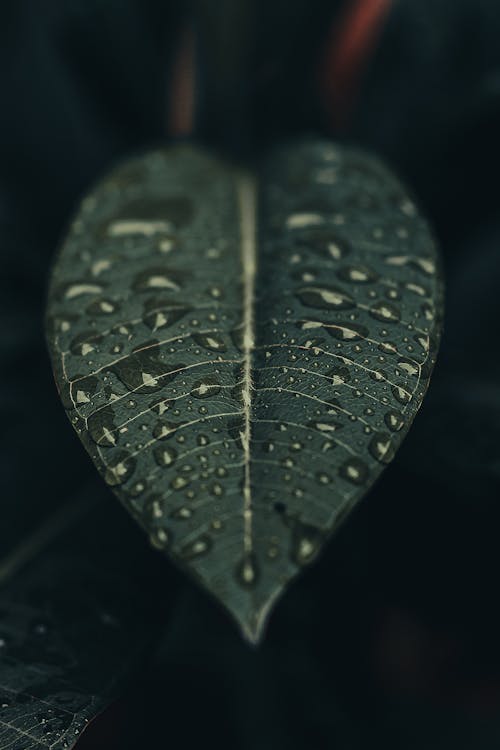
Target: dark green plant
{"type": "Point", "coordinates": [278, 322]}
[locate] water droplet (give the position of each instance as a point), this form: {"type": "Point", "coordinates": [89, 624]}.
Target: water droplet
{"type": "Point", "coordinates": [197, 548]}
{"type": "Point", "coordinates": [159, 538]}
{"type": "Point", "coordinates": [247, 572]}
{"type": "Point", "coordinates": [358, 274]}
{"type": "Point", "coordinates": [164, 456]}
{"type": "Point", "coordinates": [306, 542]}
{"type": "Point", "coordinates": [381, 447]}
{"type": "Point", "coordinates": [388, 347]}
{"type": "Point", "coordinates": [159, 314]}
{"type": "Point", "coordinates": [156, 279]}
{"type": "Point", "coordinates": [212, 342]}
{"type": "Point", "coordinates": [166, 245]}
{"type": "Point", "coordinates": [102, 307]}
{"type": "Point", "coordinates": [120, 469]}
{"type": "Point", "coordinates": [409, 367]}
{"type": "Point", "coordinates": [74, 290]}
{"type": "Point", "coordinates": [163, 429]}
{"type": "Point", "coordinates": [144, 370]}
{"type": "Point", "coordinates": [273, 553]}
{"type": "Point", "coordinates": [205, 388]}
{"type": "Point", "coordinates": [347, 331]}
{"type": "Point", "coordinates": [302, 220]}
{"type": "Point", "coordinates": [153, 507]}
{"type": "Point", "coordinates": [182, 513]}
{"type": "Point", "coordinates": [401, 394]}
{"type": "Point", "coordinates": [354, 470]}
{"type": "Point", "coordinates": [216, 489]}
{"type": "Point", "coordinates": [394, 420]}
{"type": "Point", "coordinates": [325, 298]}
{"type": "Point", "coordinates": [85, 343]}
{"type": "Point", "coordinates": [323, 478]}
{"type": "Point", "coordinates": [339, 375]}
{"type": "Point", "coordinates": [179, 482]}
{"type": "Point", "coordinates": [385, 312]}
{"type": "Point", "coordinates": [326, 426]}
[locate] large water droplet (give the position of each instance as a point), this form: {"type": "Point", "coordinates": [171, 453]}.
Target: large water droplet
{"type": "Point", "coordinates": [381, 447]}
{"type": "Point", "coordinates": [164, 456]}
{"type": "Point", "coordinates": [394, 420]}
{"type": "Point", "coordinates": [120, 469]}
{"type": "Point", "coordinates": [325, 298]}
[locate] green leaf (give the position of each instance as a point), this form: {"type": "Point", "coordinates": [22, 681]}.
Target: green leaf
{"type": "Point", "coordinates": [69, 638]}
{"type": "Point", "coordinates": [242, 354]}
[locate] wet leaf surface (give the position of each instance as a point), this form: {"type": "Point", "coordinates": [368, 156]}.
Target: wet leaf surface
{"type": "Point", "coordinates": [77, 619]}
{"type": "Point", "coordinates": [241, 355]}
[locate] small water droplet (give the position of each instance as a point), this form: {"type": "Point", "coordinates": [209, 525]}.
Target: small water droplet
{"type": "Point", "coordinates": [159, 538]}
{"type": "Point", "coordinates": [355, 471]}
{"type": "Point", "coordinates": [178, 483]}
{"type": "Point", "coordinates": [385, 312]}
{"type": "Point", "coordinates": [182, 513]}
{"type": "Point", "coordinates": [247, 572]}
{"type": "Point", "coordinates": [197, 548]}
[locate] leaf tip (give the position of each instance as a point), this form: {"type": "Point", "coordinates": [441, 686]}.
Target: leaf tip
{"type": "Point", "coordinates": [252, 632]}
{"type": "Point", "coordinates": [253, 621]}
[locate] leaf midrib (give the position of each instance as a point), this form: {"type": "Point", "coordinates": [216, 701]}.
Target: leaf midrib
{"type": "Point", "coordinates": [247, 192]}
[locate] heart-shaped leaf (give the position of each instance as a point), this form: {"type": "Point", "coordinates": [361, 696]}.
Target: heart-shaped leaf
{"type": "Point", "coordinates": [241, 355]}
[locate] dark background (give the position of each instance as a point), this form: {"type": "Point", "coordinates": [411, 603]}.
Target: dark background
{"type": "Point", "coordinates": [392, 639]}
